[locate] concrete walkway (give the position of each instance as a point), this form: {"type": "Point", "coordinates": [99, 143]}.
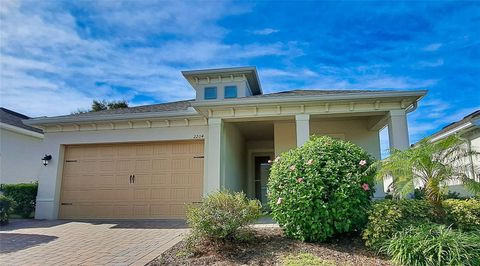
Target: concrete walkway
{"type": "Point", "coordinates": [32, 242]}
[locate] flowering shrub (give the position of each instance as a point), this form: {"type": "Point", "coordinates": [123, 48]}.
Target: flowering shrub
{"type": "Point", "coordinates": [321, 189]}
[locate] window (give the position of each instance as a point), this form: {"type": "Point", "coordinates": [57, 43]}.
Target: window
{"type": "Point", "coordinates": [210, 93]}
{"type": "Point", "coordinates": [230, 91]}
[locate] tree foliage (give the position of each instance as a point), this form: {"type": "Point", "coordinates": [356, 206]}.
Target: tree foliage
{"type": "Point", "coordinates": [101, 105]}
{"type": "Point", "coordinates": [434, 164]}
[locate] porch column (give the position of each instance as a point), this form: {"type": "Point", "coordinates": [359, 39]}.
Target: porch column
{"type": "Point", "coordinates": [398, 139]}
{"type": "Point", "coordinates": [213, 158]}
{"type": "Point", "coordinates": [398, 130]}
{"type": "Point", "coordinates": [303, 128]}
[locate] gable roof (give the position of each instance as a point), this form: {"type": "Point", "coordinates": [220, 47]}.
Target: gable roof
{"type": "Point", "coordinates": [13, 118]}
{"type": "Point", "coordinates": [468, 120]}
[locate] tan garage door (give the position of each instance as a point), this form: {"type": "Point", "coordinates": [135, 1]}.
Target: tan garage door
{"type": "Point", "coordinates": [143, 180]}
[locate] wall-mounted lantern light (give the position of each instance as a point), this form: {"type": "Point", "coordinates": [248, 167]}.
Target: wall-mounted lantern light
{"type": "Point", "coordinates": [46, 158]}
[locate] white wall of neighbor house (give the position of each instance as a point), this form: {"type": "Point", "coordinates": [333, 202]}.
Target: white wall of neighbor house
{"type": "Point", "coordinates": [20, 157]}
{"type": "Point", "coordinates": [50, 176]}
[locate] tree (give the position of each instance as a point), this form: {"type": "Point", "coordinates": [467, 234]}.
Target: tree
{"type": "Point", "coordinates": [432, 163]}
{"type": "Point", "coordinates": [100, 105]}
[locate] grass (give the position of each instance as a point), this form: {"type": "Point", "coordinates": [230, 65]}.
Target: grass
{"type": "Point", "coordinates": [305, 259]}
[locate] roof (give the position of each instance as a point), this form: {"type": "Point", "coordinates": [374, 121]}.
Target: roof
{"type": "Point", "coordinates": [12, 118]}
{"type": "Point", "coordinates": [455, 126]}
{"type": "Point", "coordinates": [185, 108]}
{"type": "Point", "coordinates": [161, 107]}
{"type": "Point", "coordinates": [313, 92]}
{"type": "Point", "coordinates": [250, 73]}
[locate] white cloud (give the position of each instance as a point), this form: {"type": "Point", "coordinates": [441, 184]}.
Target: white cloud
{"type": "Point", "coordinates": [47, 56]}
{"type": "Point", "coordinates": [432, 47]}
{"type": "Point", "coordinates": [266, 31]}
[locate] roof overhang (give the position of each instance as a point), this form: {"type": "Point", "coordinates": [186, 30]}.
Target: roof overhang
{"type": "Point", "coordinates": [43, 121]}
{"type": "Point", "coordinates": [250, 74]}
{"type": "Point", "coordinates": [20, 130]}
{"type": "Point", "coordinates": [417, 95]}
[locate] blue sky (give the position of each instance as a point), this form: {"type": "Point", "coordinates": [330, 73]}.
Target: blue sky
{"type": "Point", "coordinates": [56, 56]}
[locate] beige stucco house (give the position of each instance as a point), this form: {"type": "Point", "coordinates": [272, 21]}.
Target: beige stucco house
{"type": "Point", "coordinates": [148, 161]}
{"type": "Point", "coordinates": [20, 149]}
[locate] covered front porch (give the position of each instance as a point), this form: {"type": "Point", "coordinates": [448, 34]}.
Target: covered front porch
{"type": "Point", "coordinates": [238, 149]}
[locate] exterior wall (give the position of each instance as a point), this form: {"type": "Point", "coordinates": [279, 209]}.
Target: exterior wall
{"type": "Point", "coordinates": [354, 130]}
{"type": "Point", "coordinates": [234, 154]}
{"type": "Point", "coordinates": [285, 136]}
{"type": "Point", "coordinates": [20, 157]}
{"type": "Point", "coordinates": [50, 177]}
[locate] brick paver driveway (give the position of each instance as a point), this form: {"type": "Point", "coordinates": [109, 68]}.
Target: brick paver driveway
{"type": "Point", "coordinates": [31, 242]}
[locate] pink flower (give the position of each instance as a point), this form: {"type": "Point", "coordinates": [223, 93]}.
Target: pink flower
{"type": "Point", "coordinates": [365, 187]}
{"type": "Point", "coordinates": [300, 180]}
{"type": "Point", "coordinates": [292, 168]}
{"type": "Point", "coordinates": [279, 201]}
{"type": "Point", "coordinates": [362, 162]}
{"type": "Point", "coordinates": [277, 159]}
{"type": "Point", "coordinates": [310, 162]}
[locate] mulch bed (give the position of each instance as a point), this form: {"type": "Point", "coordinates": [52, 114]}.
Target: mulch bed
{"type": "Point", "coordinates": [269, 247]}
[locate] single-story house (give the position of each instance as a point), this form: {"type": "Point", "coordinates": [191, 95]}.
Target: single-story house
{"type": "Point", "coordinates": [468, 129]}
{"type": "Point", "coordinates": [148, 161]}
{"type": "Point", "coordinates": [20, 149]}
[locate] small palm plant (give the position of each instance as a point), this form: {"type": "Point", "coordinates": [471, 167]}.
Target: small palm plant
{"type": "Point", "coordinates": [432, 163]}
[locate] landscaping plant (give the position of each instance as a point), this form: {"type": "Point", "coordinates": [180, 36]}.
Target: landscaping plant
{"type": "Point", "coordinates": [432, 163]}
{"type": "Point", "coordinates": [463, 214]}
{"type": "Point", "coordinates": [320, 189]}
{"type": "Point", "coordinates": [387, 217]}
{"type": "Point", "coordinates": [433, 245]}
{"type": "Point", "coordinates": [23, 196]}
{"type": "Point", "coordinates": [222, 216]}
{"type": "Point", "coordinates": [5, 206]}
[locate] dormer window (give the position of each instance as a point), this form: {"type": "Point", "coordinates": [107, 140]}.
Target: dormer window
{"type": "Point", "coordinates": [230, 92]}
{"type": "Point", "coordinates": [210, 93]}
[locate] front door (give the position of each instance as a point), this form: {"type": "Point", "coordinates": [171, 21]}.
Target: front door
{"type": "Point", "coordinates": [262, 172]}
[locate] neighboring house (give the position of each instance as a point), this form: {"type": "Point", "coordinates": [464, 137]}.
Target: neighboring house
{"type": "Point", "coordinates": [148, 161]}
{"type": "Point", "coordinates": [20, 154]}
{"type": "Point", "coordinates": [469, 129]}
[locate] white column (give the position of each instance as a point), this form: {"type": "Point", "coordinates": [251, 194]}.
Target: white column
{"type": "Point", "coordinates": [398, 130]}
{"type": "Point", "coordinates": [213, 156]}
{"type": "Point", "coordinates": [398, 139]}
{"type": "Point", "coordinates": [303, 128]}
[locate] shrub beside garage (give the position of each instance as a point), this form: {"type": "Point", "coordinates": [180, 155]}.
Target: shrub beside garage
{"type": "Point", "coordinates": [23, 197]}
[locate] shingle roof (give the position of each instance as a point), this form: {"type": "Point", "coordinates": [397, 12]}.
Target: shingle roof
{"type": "Point", "coordinates": [15, 119]}
{"type": "Point", "coordinates": [184, 105]}
{"type": "Point", "coordinates": [161, 107]}
{"type": "Point", "coordinates": [311, 93]}
{"type": "Point", "coordinates": [464, 120]}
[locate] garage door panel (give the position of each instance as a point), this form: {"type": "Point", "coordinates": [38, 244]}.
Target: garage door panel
{"type": "Point", "coordinates": [96, 180]}
{"type": "Point", "coordinates": [161, 179]}
{"type": "Point", "coordinates": [144, 150]}
{"type": "Point", "coordinates": [142, 166]}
